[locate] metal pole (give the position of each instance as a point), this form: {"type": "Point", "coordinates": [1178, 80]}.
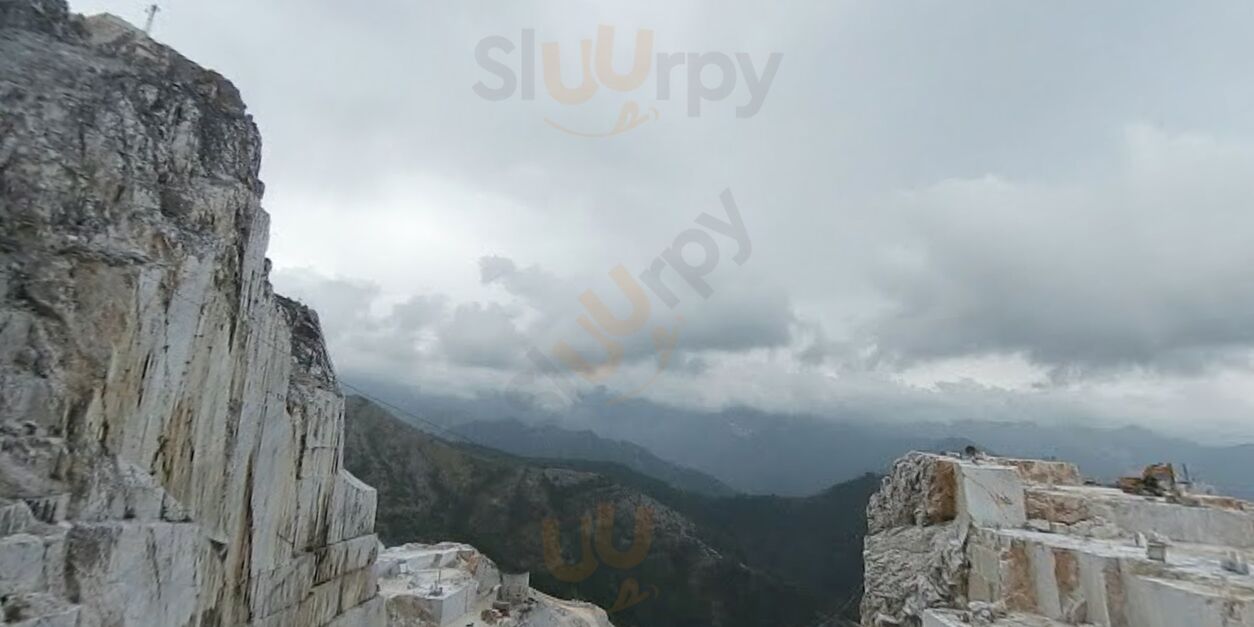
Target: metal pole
{"type": "Point", "coordinates": [152, 17]}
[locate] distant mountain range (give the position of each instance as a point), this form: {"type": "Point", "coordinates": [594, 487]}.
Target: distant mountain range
{"type": "Point", "coordinates": [736, 561]}
{"type": "Point", "coordinates": [1106, 454]}
{"type": "Point", "coordinates": [755, 452]}
{"type": "Point", "coordinates": [551, 442]}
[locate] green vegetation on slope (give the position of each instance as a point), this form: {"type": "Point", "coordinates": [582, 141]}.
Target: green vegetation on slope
{"type": "Point", "coordinates": [712, 562]}
{"type": "Point", "coordinates": [551, 442]}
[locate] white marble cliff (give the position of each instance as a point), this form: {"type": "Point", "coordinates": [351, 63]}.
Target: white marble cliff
{"type": "Point", "coordinates": [170, 429]}
{"type": "Point", "coordinates": [1022, 543]}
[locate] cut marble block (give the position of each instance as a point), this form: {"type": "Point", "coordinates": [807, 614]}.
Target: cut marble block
{"type": "Point", "coordinates": [15, 517]}
{"type": "Point", "coordinates": [21, 564]}
{"type": "Point", "coordinates": [137, 571]}
{"type": "Point", "coordinates": [344, 557]}
{"type": "Point", "coordinates": [991, 496]}
{"type": "Point", "coordinates": [950, 618]}
{"type": "Point", "coordinates": [1156, 602]}
{"type": "Point", "coordinates": [353, 506]}
{"type": "Point", "coordinates": [1030, 546]}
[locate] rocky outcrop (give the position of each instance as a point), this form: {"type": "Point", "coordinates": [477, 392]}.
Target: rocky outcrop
{"type": "Point", "coordinates": [914, 548]}
{"type": "Point", "coordinates": [957, 542]}
{"type": "Point", "coordinates": [170, 430]}
{"type": "Point", "coordinates": [454, 584]}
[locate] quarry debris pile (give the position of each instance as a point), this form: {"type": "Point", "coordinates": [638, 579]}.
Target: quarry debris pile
{"type": "Point", "coordinates": [170, 429]}
{"type": "Point", "coordinates": [958, 541]}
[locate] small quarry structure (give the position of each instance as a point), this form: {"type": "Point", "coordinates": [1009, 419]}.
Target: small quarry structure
{"type": "Point", "coordinates": [991, 541]}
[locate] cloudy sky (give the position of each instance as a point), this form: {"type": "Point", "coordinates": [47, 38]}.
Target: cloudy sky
{"type": "Point", "coordinates": [987, 209]}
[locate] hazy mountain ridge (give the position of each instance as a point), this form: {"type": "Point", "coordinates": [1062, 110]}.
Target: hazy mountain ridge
{"type": "Point", "coordinates": [756, 452]}
{"type": "Point", "coordinates": [553, 442]}
{"type": "Point", "coordinates": [1109, 453]}
{"type": "Point", "coordinates": [713, 561]}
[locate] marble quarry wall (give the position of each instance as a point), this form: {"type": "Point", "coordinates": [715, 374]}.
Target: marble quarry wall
{"type": "Point", "coordinates": [990, 541]}
{"type": "Point", "coordinates": [170, 429]}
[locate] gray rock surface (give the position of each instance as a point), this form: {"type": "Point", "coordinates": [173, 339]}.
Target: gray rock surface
{"type": "Point", "coordinates": [170, 430]}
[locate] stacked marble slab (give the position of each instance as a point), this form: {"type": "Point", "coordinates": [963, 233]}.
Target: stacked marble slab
{"type": "Point", "coordinates": [1020, 542]}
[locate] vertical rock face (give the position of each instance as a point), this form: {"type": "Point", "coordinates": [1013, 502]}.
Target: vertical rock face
{"type": "Point", "coordinates": [915, 545]}
{"type": "Point", "coordinates": [170, 430]}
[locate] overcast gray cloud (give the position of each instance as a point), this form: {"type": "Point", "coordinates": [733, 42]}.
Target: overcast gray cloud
{"type": "Point", "coordinates": [1148, 267]}
{"type": "Point", "coordinates": [954, 207]}
{"type": "Point", "coordinates": [479, 335]}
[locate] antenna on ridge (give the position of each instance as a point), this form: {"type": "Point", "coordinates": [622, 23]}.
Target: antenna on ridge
{"type": "Point", "coordinates": [153, 10]}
